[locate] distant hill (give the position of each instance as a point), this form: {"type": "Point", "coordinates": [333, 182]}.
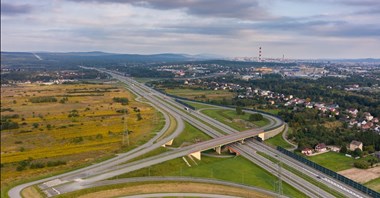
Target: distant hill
{"type": "Point", "coordinates": [103, 56]}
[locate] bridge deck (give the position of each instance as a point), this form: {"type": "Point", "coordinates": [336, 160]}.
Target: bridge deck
{"type": "Point", "coordinates": [220, 141]}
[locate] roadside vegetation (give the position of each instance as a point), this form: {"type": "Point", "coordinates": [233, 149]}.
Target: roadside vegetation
{"type": "Point", "coordinates": [47, 129]}
{"type": "Point", "coordinates": [239, 121]}
{"type": "Point", "coordinates": [190, 135]}
{"type": "Point", "coordinates": [278, 140]}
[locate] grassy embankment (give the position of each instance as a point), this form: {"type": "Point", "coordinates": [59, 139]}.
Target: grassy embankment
{"type": "Point", "coordinates": [237, 169]}
{"type": "Point", "coordinates": [279, 141]}
{"type": "Point", "coordinates": [232, 119]}
{"type": "Point", "coordinates": [47, 132]}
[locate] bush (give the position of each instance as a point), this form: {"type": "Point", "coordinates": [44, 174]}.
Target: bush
{"type": "Point", "coordinates": [36, 125]}
{"type": "Point", "coordinates": [7, 124]}
{"type": "Point", "coordinates": [123, 101]}
{"type": "Point", "coordinates": [99, 136]}
{"type": "Point", "coordinates": [78, 139]}
{"type": "Point", "coordinates": [37, 165]}
{"type": "Point", "coordinates": [73, 113]}
{"type": "Point", "coordinates": [55, 163]}
{"type": "Point", "coordinates": [42, 99]}
{"type": "Point", "coordinates": [361, 164]}
{"type": "Point", "coordinates": [20, 168]}
{"type": "Point", "coordinates": [256, 117]}
{"type": "Point", "coordinates": [122, 111]}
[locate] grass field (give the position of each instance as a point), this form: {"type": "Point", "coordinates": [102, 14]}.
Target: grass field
{"type": "Point", "coordinates": [237, 169]}
{"type": "Point", "coordinates": [334, 161]}
{"type": "Point", "coordinates": [278, 141]}
{"type": "Point", "coordinates": [230, 118]}
{"type": "Point", "coordinates": [47, 133]}
{"type": "Point", "coordinates": [374, 184]}
{"type": "Point", "coordinates": [201, 95]}
{"type": "Point", "coordinates": [190, 135]}
{"type": "Point", "coordinates": [198, 106]}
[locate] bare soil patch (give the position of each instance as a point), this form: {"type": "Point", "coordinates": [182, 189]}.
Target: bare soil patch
{"type": "Point", "coordinates": [361, 175]}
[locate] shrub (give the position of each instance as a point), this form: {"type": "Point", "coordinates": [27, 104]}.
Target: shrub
{"type": "Point", "coordinates": [37, 165]}
{"type": "Point", "coordinates": [42, 99]}
{"type": "Point", "coordinates": [20, 168]}
{"type": "Point", "coordinates": [123, 100]}
{"type": "Point", "coordinates": [361, 164]}
{"type": "Point", "coordinates": [73, 113]}
{"type": "Point", "coordinates": [78, 139]}
{"type": "Point", "coordinates": [55, 163]}
{"type": "Point", "coordinates": [256, 117]}
{"type": "Point", "coordinates": [36, 125]}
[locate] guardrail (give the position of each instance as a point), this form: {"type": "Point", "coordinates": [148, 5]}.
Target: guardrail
{"type": "Point", "coordinates": [331, 173]}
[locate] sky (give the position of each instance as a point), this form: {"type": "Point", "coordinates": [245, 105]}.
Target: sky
{"type": "Point", "coordinates": [293, 28]}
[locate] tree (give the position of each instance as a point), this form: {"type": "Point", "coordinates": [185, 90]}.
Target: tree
{"type": "Point", "coordinates": [343, 149]}
{"type": "Point", "coordinates": [239, 110]}
{"type": "Point", "coordinates": [256, 117]}
{"type": "Point", "coordinates": [358, 152]}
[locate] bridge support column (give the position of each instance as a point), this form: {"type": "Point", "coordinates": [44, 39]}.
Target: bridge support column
{"type": "Point", "coordinates": [233, 151]}
{"type": "Point", "coordinates": [262, 136]}
{"type": "Point", "coordinates": [168, 143]}
{"type": "Point", "coordinates": [218, 150]}
{"type": "Point", "coordinates": [197, 155]}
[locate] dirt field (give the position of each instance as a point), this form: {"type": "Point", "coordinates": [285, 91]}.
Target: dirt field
{"type": "Point", "coordinates": [82, 125]}
{"type": "Point", "coordinates": [361, 175]}
{"type": "Point", "coordinates": [178, 188]}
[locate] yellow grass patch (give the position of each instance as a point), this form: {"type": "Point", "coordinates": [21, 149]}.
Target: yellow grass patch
{"type": "Point", "coordinates": [46, 132]}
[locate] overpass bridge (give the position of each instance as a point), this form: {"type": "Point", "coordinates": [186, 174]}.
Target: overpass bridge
{"type": "Point", "coordinates": [217, 143]}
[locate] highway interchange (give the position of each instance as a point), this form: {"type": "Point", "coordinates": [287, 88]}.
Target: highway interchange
{"type": "Point", "coordinates": [96, 174]}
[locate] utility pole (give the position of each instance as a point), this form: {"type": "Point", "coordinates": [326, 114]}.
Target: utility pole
{"type": "Point", "coordinates": [125, 131]}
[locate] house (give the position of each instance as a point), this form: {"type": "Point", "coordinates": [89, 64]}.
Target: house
{"type": "Point", "coordinates": [353, 112]}
{"type": "Point", "coordinates": [368, 116]}
{"type": "Point", "coordinates": [321, 147]}
{"type": "Point", "coordinates": [356, 144]}
{"type": "Point", "coordinates": [307, 151]}
{"type": "Point", "coordinates": [366, 126]}
{"type": "Point", "coordinates": [333, 148]}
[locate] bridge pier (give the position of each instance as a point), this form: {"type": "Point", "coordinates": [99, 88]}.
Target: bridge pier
{"type": "Point", "coordinates": [233, 151]}
{"type": "Point", "coordinates": [168, 143]}
{"type": "Point", "coordinates": [197, 155]}
{"type": "Point", "coordinates": [218, 150]}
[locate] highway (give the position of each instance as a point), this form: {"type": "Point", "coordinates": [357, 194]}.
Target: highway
{"type": "Point", "coordinates": [340, 187]}
{"type": "Point", "coordinates": [83, 178]}
{"type": "Point", "coordinates": [310, 188]}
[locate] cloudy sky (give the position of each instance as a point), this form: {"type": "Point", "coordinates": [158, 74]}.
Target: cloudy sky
{"type": "Point", "coordinates": [295, 28]}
